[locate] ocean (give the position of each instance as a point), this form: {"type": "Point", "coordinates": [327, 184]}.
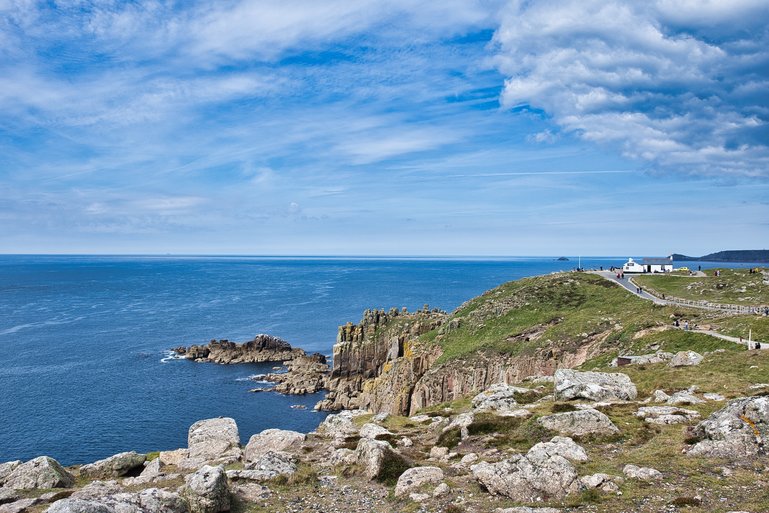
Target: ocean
{"type": "Point", "coordinates": [85, 370]}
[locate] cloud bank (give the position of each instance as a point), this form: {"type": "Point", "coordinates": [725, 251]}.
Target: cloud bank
{"type": "Point", "coordinates": [682, 85]}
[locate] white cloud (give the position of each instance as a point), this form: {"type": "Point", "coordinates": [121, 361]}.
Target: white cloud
{"type": "Point", "coordinates": [662, 80]}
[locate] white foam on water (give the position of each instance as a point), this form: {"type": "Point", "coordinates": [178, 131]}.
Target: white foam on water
{"type": "Point", "coordinates": [170, 356]}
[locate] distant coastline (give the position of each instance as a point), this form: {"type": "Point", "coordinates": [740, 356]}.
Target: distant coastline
{"type": "Point", "coordinates": [743, 255]}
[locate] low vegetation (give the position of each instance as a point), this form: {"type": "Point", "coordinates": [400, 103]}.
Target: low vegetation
{"type": "Point", "coordinates": [732, 286]}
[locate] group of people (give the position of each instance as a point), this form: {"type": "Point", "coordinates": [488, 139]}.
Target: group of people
{"type": "Point", "coordinates": [677, 324]}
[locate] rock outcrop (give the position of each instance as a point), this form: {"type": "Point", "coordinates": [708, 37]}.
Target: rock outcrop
{"type": "Point", "coordinates": [546, 471]}
{"type": "Point", "coordinates": [207, 490]}
{"type": "Point", "coordinates": [499, 398]}
{"type": "Point", "coordinates": [666, 414]}
{"type": "Point", "coordinates": [263, 348]}
{"type": "Point", "coordinates": [114, 466]}
{"type": "Point", "coordinates": [414, 478]}
{"type": "Point", "coordinates": [376, 458]}
{"type": "Point", "coordinates": [41, 472]}
{"type": "Point", "coordinates": [383, 342]}
{"type": "Point", "coordinates": [738, 430]}
{"type": "Point", "coordinates": [304, 375]}
{"type": "Point", "coordinates": [268, 466]}
{"type": "Point", "coordinates": [578, 423]}
{"type": "Point", "coordinates": [685, 359]}
{"type": "Point", "coordinates": [214, 440]}
{"type": "Point", "coordinates": [594, 386]}
{"type": "Point", "coordinates": [272, 440]}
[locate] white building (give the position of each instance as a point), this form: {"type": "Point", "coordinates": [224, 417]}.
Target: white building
{"type": "Point", "coordinates": [649, 265]}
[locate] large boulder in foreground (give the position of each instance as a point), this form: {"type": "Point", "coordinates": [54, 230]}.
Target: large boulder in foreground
{"type": "Point", "coordinates": [414, 478]}
{"type": "Point", "coordinates": [207, 490]}
{"type": "Point", "coordinates": [545, 472]}
{"type": "Point", "coordinates": [114, 466]}
{"type": "Point", "coordinates": [378, 459]}
{"type": "Point", "coordinates": [594, 386]}
{"type": "Point", "coordinates": [215, 440]}
{"type": "Point", "coordinates": [152, 500]}
{"type": "Point", "coordinates": [41, 472]}
{"type": "Point", "coordinates": [272, 440]}
{"type": "Point", "coordinates": [736, 431]}
{"type": "Point", "coordinates": [578, 423]}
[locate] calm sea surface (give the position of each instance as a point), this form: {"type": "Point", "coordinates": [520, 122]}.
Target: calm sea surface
{"type": "Point", "coordinates": [84, 340]}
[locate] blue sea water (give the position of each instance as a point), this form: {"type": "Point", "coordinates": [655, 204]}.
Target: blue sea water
{"type": "Point", "coordinates": [84, 372]}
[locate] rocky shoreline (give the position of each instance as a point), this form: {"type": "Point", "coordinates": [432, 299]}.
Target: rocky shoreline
{"type": "Point", "coordinates": [447, 460]}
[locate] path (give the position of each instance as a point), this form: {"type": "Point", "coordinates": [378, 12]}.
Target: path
{"type": "Point", "coordinates": [628, 285]}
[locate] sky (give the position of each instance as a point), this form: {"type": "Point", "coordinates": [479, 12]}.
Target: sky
{"type": "Point", "coordinates": [372, 127]}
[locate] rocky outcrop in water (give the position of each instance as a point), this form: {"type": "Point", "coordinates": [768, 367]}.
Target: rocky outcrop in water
{"type": "Point", "coordinates": [263, 348]}
{"type": "Point", "coordinates": [305, 374]}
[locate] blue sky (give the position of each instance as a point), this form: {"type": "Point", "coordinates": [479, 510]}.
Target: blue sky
{"type": "Point", "coordinates": [406, 127]}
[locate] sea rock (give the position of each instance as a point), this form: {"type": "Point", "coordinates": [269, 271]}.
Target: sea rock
{"type": "Point", "coordinates": [738, 430]}
{"type": "Point", "coordinates": [371, 430]}
{"type": "Point", "coordinates": [152, 469]}
{"type": "Point", "coordinates": [685, 359]}
{"type": "Point", "coordinates": [374, 456]}
{"type": "Point", "coordinates": [214, 440]}
{"type": "Point", "coordinates": [41, 472]}
{"type": "Point", "coordinates": [207, 490]}
{"type": "Point", "coordinates": [6, 469]}
{"type": "Point", "coordinates": [642, 473]}
{"type": "Point", "coordinates": [545, 472]}
{"type": "Point", "coordinates": [269, 466]}
{"type": "Point", "coordinates": [595, 386]}
{"type": "Point", "coordinates": [439, 453]}
{"type": "Point", "coordinates": [659, 396]}
{"type": "Point", "coordinates": [273, 440]}
{"type": "Point", "coordinates": [114, 466]}
{"type": "Point", "coordinates": [666, 414]}
{"type": "Point", "coordinates": [414, 478]}
{"type": "Point", "coordinates": [263, 348]}
{"type": "Point", "coordinates": [498, 398]}
{"type": "Point", "coordinates": [305, 374]}
{"type": "Point", "coordinates": [580, 422]}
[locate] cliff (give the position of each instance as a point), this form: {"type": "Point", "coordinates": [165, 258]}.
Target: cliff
{"type": "Point", "coordinates": [263, 348]}
{"type": "Point", "coordinates": [399, 362]}
{"type": "Point", "coordinates": [370, 348]}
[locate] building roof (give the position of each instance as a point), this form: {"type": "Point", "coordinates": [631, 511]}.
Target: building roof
{"type": "Point", "coordinates": [657, 261]}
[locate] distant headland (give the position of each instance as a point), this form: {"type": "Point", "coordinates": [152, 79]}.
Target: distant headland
{"type": "Point", "coordinates": [742, 255]}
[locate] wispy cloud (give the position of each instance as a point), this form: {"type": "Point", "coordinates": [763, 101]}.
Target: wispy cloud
{"type": "Point", "coordinates": [672, 83]}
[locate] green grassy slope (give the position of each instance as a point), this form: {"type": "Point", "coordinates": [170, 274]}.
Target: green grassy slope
{"type": "Point", "coordinates": [735, 286]}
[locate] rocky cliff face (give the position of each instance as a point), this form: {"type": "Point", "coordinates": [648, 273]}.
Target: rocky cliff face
{"type": "Point", "coordinates": [372, 347]}
{"type": "Point", "coordinates": [387, 364]}
{"type": "Point", "coordinates": [263, 348]}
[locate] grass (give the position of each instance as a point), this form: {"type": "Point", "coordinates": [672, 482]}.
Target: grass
{"type": "Point", "coordinates": [734, 286]}
{"type": "Point", "coordinates": [562, 310]}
